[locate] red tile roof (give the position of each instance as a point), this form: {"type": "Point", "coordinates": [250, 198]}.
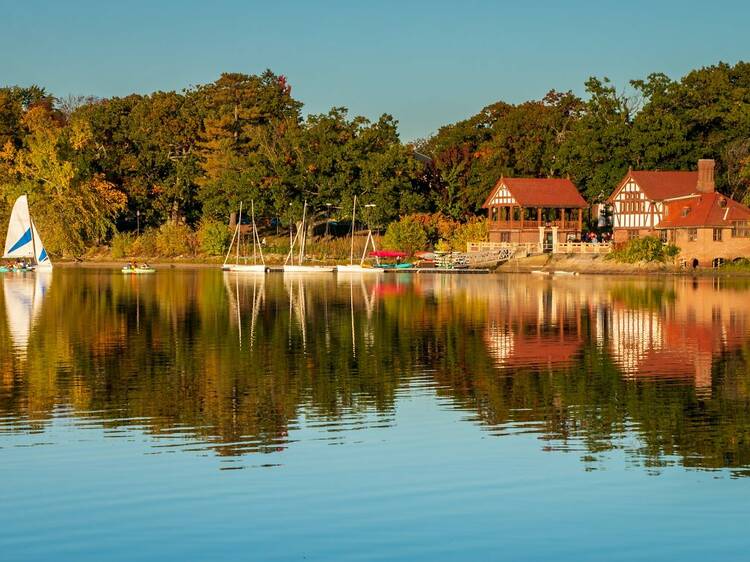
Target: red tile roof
{"type": "Point", "coordinates": [658, 186]}
{"type": "Point", "coordinates": [541, 192]}
{"type": "Point", "coordinates": [703, 210]}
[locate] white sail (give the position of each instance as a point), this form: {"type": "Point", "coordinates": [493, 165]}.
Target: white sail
{"type": "Point", "coordinates": [19, 242]}
{"type": "Point", "coordinates": [42, 258]}
{"type": "Point", "coordinates": [23, 240]}
{"type": "Point", "coordinates": [23, 303]}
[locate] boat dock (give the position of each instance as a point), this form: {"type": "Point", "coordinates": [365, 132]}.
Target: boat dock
{"type": "Point", "coordinates": [467, 271]}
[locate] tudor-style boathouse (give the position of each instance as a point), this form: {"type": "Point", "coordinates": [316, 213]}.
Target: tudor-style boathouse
{"type": "Point", "coordinates": [639, 201]}
{"type": "Point", "coordinates": [544, 211]}
{"type": "Point", "coordinates": [682, 208]}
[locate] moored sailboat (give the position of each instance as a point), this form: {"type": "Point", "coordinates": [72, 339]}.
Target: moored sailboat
{"type": "Point", "coordinates": [301, 237]}
{"type": "Point", "coordinates": [360, 267]}
{"type": "Point", "coordinates": [22, 241]}
{"type": "Point", "coordinates": [238, 267]}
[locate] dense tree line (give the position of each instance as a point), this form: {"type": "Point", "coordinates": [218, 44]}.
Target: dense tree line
{"type": "Point", "coordinates": [93, 166]}
{"type": "Point", "coordinates": [658, 123]}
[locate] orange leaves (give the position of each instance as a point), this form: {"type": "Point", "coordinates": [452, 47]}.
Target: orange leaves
{"type": "Point", "coordinates": [38, 118]}
{"type": "Point", "coordinates": [8, 152]}
{"type": "Point", "coordinates": [114, 199]}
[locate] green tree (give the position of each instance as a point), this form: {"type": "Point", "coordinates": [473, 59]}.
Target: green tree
{"type": "Point", "coordinates": [597, 152]}
{"type": "Point", "coordinates": [237, 109]}
{"type": "Point", "coordinates": [407, 235]}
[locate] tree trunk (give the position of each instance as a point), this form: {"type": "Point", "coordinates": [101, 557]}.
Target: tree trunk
{"type": "Point", "coordinates": [232, 219]}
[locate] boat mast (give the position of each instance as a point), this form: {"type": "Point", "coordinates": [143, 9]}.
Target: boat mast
{"type": "Point", "coordinates": [231, 244]}
{"type": "Point", "coordinates": [354, 218]}
{"type": "Point", "coordinates": [304, 235]}
{"type": "Point", "coordinates": [256, 236]}
{"type": "Point", "coordinates": [239, 233]}
{"type": "Point", "coordinates": [31, 228]}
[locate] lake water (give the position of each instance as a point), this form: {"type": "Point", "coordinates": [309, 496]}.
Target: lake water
{"type": "Point", "coordinates": [193, 415]}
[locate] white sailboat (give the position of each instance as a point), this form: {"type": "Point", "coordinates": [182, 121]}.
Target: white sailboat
{"type": "Point", "coordinates": [23, 241]}
{"type": "Point", "coordinates": [360, 267]}
{"type": "Point", "coordinates": [299, 267]}
{"type": "Point", "coordinates": [238, 267]}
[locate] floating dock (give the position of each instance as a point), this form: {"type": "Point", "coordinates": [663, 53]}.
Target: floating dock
{"type": "Point", "coordinates": [465, 271]}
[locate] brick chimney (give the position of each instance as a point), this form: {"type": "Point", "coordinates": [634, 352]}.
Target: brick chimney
{"type": "Point", "coordinates": [706, 176]}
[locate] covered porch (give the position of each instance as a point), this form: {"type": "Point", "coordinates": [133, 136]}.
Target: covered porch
{"type": "Point", "coordinates": [546, 226]}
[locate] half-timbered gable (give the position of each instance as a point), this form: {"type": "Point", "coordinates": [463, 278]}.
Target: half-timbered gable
{"type": "Point", "coordinates": [632, 208]}
{"type": "Point", "coordinates": [638, 202]}
{"type": "Point", "coordinates": [500, 196]}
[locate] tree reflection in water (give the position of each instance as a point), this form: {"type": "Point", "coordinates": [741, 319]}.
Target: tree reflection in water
{"type": "Point", "coordinates": [234, 363]}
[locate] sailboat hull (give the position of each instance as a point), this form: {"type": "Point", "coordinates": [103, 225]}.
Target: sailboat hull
{"type": "Point", "coordinates": [242, 268]}
{"type": "Point", "coordinates": [309, 268]}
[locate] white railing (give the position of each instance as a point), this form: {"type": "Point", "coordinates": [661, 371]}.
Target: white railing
{"type": "Point", "coordinates": [583, 248]}
{"type": "Point", "coordinates": [527, 247]}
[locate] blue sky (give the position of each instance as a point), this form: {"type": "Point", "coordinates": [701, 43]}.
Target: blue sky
{"type": "Point", "coordinates": [426, 63]}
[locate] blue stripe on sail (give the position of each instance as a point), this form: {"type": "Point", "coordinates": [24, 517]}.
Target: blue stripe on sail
{"type": "Point", "coordinates": [43, 256]}
{"type": "Point", "coordinates": [25, 239]}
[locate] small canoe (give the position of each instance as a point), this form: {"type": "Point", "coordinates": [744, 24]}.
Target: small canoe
{"type": "Point", "coordinates": [565, 273]}
{"type": "Point", "coordinates": [395, 266]}
{"type": "Point", "coordinates": [540, 272]}
{"type": "Point", "coordinates": [138, 270]}
{"type": "Point", "coordinates": [357, 269]}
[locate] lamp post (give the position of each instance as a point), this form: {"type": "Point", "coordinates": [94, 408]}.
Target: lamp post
{"type": "Point", "coordinates": [369, 206]}
{"type": "Point", "coordinates": [138, 222]}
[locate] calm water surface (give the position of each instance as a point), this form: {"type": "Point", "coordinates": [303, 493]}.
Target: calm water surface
{"type": "Point", "coordinates": [198, 415]}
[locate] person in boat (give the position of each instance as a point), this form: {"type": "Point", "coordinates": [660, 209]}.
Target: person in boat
{"type": "Point", "coordinates": [130, 265]}
{"type": "Point", "coordinates": [144, 265]}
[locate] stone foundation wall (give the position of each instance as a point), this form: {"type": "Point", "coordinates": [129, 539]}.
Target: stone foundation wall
{"type": "Point", "coordinates": [705, 249]}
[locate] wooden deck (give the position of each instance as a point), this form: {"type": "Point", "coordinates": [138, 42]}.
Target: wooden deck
{"type": "Point", "coordinates": [466, 271]}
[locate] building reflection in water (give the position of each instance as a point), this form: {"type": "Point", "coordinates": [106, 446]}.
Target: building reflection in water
{"type": "Point", "coordinates": [651, 328]}
{"type": "Point", "coordinates": [675, 330]}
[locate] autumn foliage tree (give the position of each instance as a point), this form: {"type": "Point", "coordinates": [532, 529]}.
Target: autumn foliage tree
{"type": "Point", "coordinates": [72, 205]}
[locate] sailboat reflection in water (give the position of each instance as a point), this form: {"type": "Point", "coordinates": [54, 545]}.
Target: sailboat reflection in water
{"type": "Point", "coordinates": [24, 295]}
